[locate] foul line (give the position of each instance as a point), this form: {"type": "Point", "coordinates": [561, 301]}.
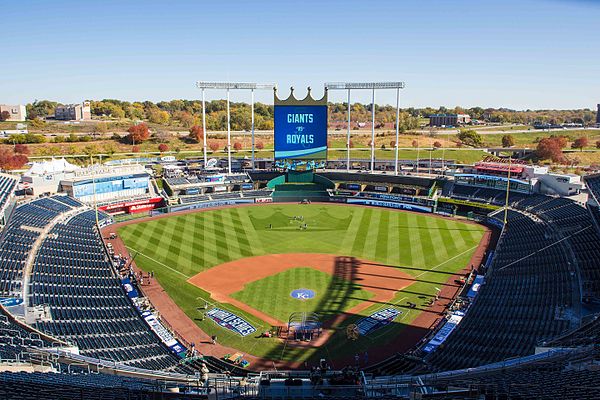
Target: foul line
{"type": "Point", "coordinates": [405, 314]}
{"type": "Point", "coordinates": [227, 306]}
{"type": "Point", "coordinates": [450, 259]}
{"type": "Point", "coordinates": [158, 262]}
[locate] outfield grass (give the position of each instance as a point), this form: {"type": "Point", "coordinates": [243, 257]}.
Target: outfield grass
{"type": "Point", "coordinates": [176, 248]}
{"type": "Point", "coordinates": [271, 295]}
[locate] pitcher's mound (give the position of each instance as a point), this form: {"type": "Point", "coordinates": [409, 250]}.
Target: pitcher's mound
{"type": "Point", "coordinates": [224, 279]}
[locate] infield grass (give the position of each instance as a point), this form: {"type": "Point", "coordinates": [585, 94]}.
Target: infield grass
{"type": "Point", "coordinates": [428, 248]}
{"type": "Point", "coordinates": [272, 294]}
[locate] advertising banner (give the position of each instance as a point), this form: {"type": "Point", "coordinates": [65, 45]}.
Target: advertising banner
{"type": "Point", "coordinates": [398, 198]}
{"type": "Point", "coordinates": [165, 336]}
{"type": "Point", "coordinates": [301, 132]}
{"type": "Point", "coordinates": [477, 282]}
{"type": "Point", "coordinates": [132, 292]}
{"type": "Point", "coordinates": [377, 320]}
{"type": "Point", "coordinates": [444, 332]}
{"type": "Point", "coordinates": [337, 199]}
{"type": "Point", "coordinates": [230, 321]}
{"type": "Point", "coordinates": [389, 204]}
{"type": "Point", "coordinates": [209, 204]}
{"type": "Point", "coordinates": [10, 301]}
{"type": "Point", "coordinates": [133, 206]}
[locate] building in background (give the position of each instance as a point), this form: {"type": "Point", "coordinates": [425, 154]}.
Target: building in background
{"type": "Point", "coordinates": [449, 119]}
{"type": "Point", "coordinates": [73, 112]}
{"type": "Point", "coordinates": [116, 189]}
{"type": "Point", "coordinates": [17, 112]}
{"type": "Point", "coordinates": [598, 117]}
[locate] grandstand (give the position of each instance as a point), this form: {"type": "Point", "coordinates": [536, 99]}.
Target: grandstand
{"type": "Point", "coordinates": [72, 276]}
{"type": "Point", "coordinates": [16, 338]}
{"type": "Point", "coordinates": [538, 293]}
{"type": "Point", "coordinates": [7, 188]}
{"type": "Point", "coordinates": [501, 324]}
{"type": "Point", "coordinates": [557, 374]}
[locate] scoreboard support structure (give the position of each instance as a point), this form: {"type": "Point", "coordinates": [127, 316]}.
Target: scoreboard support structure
{"type": "Point", "coordinates": [372, 86]}
{"type": "Point", "coordinates": [230, 86]}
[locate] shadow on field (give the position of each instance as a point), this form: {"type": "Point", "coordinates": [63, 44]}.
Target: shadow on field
{"type": "Point", "coordinates": [391, 339]}
{"type": "Point", "coordinates": [408, 268]}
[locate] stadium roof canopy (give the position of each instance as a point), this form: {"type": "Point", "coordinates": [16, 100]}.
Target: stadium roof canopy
{"type": "Point", "coordinates": [54, 166]}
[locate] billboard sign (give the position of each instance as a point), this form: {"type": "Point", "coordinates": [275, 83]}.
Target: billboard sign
{"type": "Point", "coordinates": [230, 321]}
{"type": "Point", "coordinates": [301, 132]}
{"type": "Point", "coordinates": [389, 204]}
{"type": "Point", "coordinates": [377, 320]}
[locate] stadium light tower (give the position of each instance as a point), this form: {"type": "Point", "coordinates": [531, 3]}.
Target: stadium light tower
{"type": "Point", "coordinates": [372, 86]}
{"type": "Point", "coordinates": [229, 86]}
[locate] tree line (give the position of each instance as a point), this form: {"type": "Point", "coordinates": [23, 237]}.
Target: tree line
{"type": "Point", "coordinates": [187, 113]}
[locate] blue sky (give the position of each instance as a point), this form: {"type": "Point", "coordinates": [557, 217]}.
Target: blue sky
{"type": "Point", "coordinates": [518, 54]}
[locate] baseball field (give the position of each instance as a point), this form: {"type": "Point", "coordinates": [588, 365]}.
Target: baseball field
{"type": "Point", "coordinates": [351, 261]}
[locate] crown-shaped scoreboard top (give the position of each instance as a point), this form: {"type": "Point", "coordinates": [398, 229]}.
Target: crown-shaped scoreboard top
{"type": "Point", "coordinates": [293, 101]}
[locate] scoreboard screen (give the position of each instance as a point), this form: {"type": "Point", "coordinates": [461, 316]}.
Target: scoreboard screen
{"type": "Point", "coordinates": [300, 132]}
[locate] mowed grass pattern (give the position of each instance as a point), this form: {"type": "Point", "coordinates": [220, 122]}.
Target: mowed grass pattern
{"type": "Point", "coordinates": [192, 243]}
{"type": "Point", "coordinates": [428, 248]}
{"type": "Point", "coordinates": [271, 295]}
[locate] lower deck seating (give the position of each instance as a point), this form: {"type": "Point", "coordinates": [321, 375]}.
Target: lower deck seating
{"type": "Point", "coordinates": [257, 193]}
{"type": "Point", "coordinates": [193, 199]}
{"type": "Point", "coordinates": [486, 195]}
{"type": "Point", "coordinates": [222, 196]}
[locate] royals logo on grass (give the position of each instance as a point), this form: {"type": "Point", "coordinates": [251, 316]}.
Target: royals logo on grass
{"type": "Point", "coordinates": [303, 294]}
{"type": "Point", "coordinates": [231, 321]}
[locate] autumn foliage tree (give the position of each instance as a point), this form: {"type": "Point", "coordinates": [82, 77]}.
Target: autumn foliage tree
{"type": "Point", "coordinates": [11, 160]}
{"type": "Point", "coordinates": [470, 137]}
{"type": "Point", "coordinates": [135, 149]}
{"type": "Point", "coordinates": [21, 149]}
{"type": "Point", "coordinates": [598, 144]}
{"type": "Point", "coordinates": [196, 133]}
{"type": "Point", "coordinates": [437, 144]}
{"type": "Point", "coordinates": [508, 141]}
{"type": "Point", "coordinates": [580, 143]}
{"type": "Point", "coordinates": [4, 116]}
{"type": "Point", "coordinates": [393, 143]}
{"type": "Point", "coordinates": [550, 148]}
{"type": "Point", "coordinates": [138, 133]}
{"type": "Point", "coordinates": [163, 147]}
{"type": "Point", "coordinates": [237, 146]}
{"type": "Point", "coordinates": [214, 146]}
{"type": "Point", "coordinates": [415, 144]}
{"type": "Point", "coordinates": [259, 145]}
